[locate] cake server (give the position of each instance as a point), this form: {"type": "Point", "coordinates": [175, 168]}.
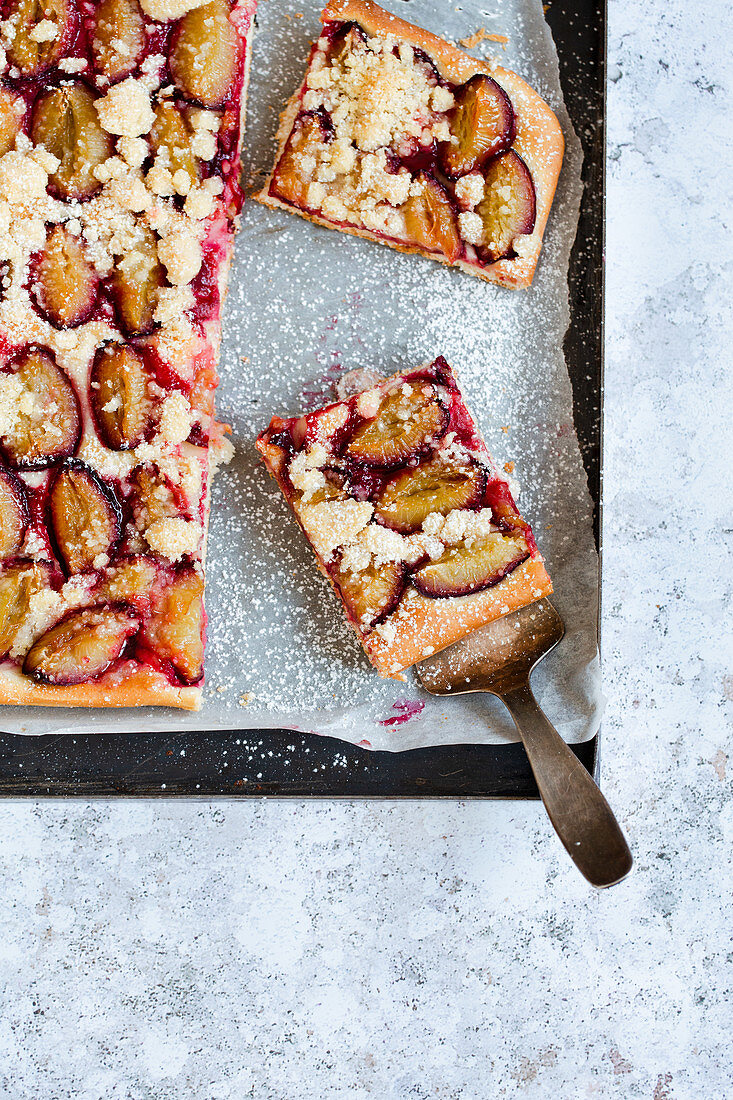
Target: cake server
{"type": "Point", "coordinates": [499, 658]}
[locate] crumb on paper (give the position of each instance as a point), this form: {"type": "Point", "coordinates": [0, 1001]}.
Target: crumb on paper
{"type": "Point", "coordinates": [508, 467]}
{"type": "Point", "coordinates": [505, 428]}
{"type": "Point", "coordinates": [246, 698]}
{"type": "Point", "coordinates": [482, 35]}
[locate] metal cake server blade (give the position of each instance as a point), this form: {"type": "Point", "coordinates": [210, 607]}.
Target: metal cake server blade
{"type": "Point", "coordinates": [498, 658]}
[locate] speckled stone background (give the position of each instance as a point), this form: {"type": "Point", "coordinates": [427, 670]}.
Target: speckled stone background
{"type": "Point", "coordinates": [313, 952]}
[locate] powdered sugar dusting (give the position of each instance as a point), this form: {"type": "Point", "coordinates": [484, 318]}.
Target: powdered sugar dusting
{"type": "Point", "coordinates": [306, 306]}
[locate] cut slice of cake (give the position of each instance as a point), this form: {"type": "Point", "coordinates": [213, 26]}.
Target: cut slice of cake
{"type": "Point", "coordinates": [407, 514]}
{"type": "Point", "coordinates": [397, 136]}
{"type": "Point", "coordinates": [120, 131]}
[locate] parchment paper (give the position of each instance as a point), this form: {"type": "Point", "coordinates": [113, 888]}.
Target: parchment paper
{"type": "Point", "coordinates": [305, 306]}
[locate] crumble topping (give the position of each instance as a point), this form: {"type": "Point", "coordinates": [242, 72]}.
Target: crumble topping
{"type": "Point", "coordinates": [173, 537]}
{"type": "Point", "coordinates": [45, 31]}
{"type": "Point", "coordinates": [367, 403]}
{"type": "Point", "coordinates": [472, 227]}
{"type": "Point", "coordinates": [469, 190]}
{"type": "Point", "coordinates": [375, 96]}
{"type": "Point", "coordinates": [332, 523]}
{"type": "Point", "coordinates": [377, 99]}
{"type": "Point", "coordinates": [125, 110]}
{"type": "Point", "coordinates": [305, 471]}
{"type": "Point", "coordinates": [181, 253]}
{"type": "Point", "coordinates": [176, 418]}
{"type": "Point", "coordinates": [73, 64]}
{"type": "Point", "coordinates": [163, 10]}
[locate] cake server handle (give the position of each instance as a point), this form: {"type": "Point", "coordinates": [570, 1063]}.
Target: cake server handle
{"type": "Point", "coordinates": [578, 811]}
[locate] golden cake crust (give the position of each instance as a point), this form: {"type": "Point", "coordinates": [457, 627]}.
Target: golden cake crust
{"type": "Point", "coordinates": [142, 688]}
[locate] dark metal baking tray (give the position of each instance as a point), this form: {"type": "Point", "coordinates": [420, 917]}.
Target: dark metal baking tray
{"type": "Point", "coordinates": [274, 763]}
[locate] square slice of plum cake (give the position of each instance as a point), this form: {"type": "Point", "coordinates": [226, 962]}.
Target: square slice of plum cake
{"type": "Point", "coordinates": [407, 514]}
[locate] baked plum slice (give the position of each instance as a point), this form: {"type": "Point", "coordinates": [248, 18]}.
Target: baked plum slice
{"type": "Point", "coordinates": [154, 497]}
{"type": "Point", "coordinates": [47, 424]}
{"type": "Point", "coordinates": [436, 486]}
{"type": "Point", "coordinates": [373, 593]}
{"type": "Point", "coordinates": [117, 37]}
{"type": "Point", "coordinates": [31, 50]}
{"type": "Point", "coordinates": [430, 219]}
{"type": "Point", "coordinates": [14, 514]}
{"type": "Point", "coordinates": [64, 284]}
{"type": "Point", "coordinates": [123, 408]}
{"type": "Point", "coordinates": [171, 134]}
{"type": "Point", "coordinates": [311, 132]}
{"type": "Point", "coordinates": [508, 208]}
{"type": "Point", "coordinates": [65, 121]}
{"type": "Point", "coordinates": [136, 282]}
{"type": "Point", "coordinates": [464, 569]}
{"type": "Point", "coordinates": [19, 581]}
{"type": "Point", "coordinates": [174, 632]}
{"type": "Point", "coordinates": [85, 517]}
{"type": "Point", "coordinates": [348, 38]}
{"type": "Point", "coordinates": [482, 124]}
{"type": "Point", "coordinates": [205, 54]}
{"type": "Point", "coordinates": [82, 645]}
{"type": "Point", "coordinates": [12, 110]}
{"type": "Point", "coordinates": [409, 420]}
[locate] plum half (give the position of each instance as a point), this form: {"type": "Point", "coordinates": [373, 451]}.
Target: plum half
{"type": "Point", "coordinates": [465, 569]}
{"type": "Point", "coordinates": [482, 124]}
{"type": "Point", "coordinates": [373, 593]}
{"type": "Point", "coordinates": [350, 37]}
{"type": "Point", "coordinates": [205, 56]}
{"type": "Point", "coordinates": [12, 109]}
{"type": "Point", "coordinates": [120, 397]}
{"type": "Point", "coordinates": [31, 52]}
{"type": "Point", "coordinates": [312, 130]}
{"type": "Point", "coordinates": [18, 582]}
{"type": "Point", "coordinates": [409, 420]}
{"type": "Point", "coordinates": [171, 135]}
{"type": "Point", "coordinates": [47, 425]}
{"type": "Point", "coordinates": [130, 580]}
{"type": "Point", "coordinates": [13, 513]}
{"type": "Point", "coordinates": [136, 282]}
{"type": "Point", "coordinates": [117, 38]}
{"type": "Point", "coordinates": [430, 219]}
{"type": "Point", "coordinates": [82, 645]}
{"type": "Point", "coordinates": [85, 517]}
{"type": "Point", "coordinates": [65, 121]}
{"type": "Point", "coordinates": [508, 208]}
{"type": "Point", "coordinates": [153, 496]}
{"type": "Point", "coordinates": [63, 282]}
{"type": "Point", "coordinates": [174, 632]}
{"type": "Point", "coordinates": [436, 486]}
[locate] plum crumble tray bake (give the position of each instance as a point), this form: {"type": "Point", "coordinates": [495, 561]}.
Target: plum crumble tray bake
{"type": "Point", "coordinates": [120, 132]}
{"type": "Point", "coordinates": [407, 515]}
{"type": "Point", "coordinates": [397, 136]}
